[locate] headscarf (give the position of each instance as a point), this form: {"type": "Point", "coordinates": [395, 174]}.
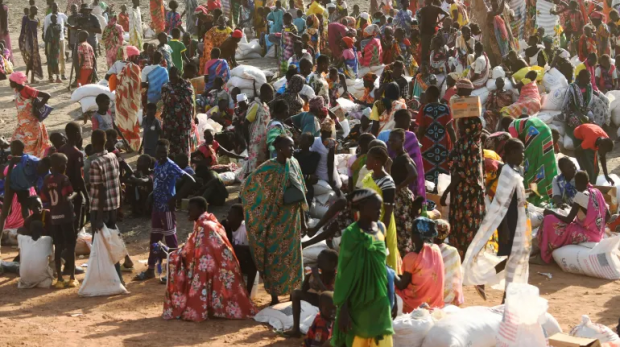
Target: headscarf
{"type": "Point", "coordinates": [331, 5]}
{"type": "Point", "coordinates": [131, 51]}
{"type": "Point", "coordinates": [497, 141]}
{"type": "Point", "coordinates": [237, 34]}
{"type": "Point", "coordinates": [464, 83]}
{"type": "Point", "coordinates": [548, 39]}
{"type": "Point", "coordinates": [317, 103]}
{"type": "Point", "coordinates": [242, 97]}
{"type": "Point", "coordinates": [596, 15]}
{"type": "Point", "coordinates": [291, 95]}
{"type": "Point", "coordinates": [370, 77]}
{"type": "Point", "coordinates": [295, 84]}
{"type": "Point", "coordinates": [349, 41]}
{"type": "Point", "coordinates": [348, 22]}
{"type": "Point", "coordinates": [18, 77]}
{"type": "Point", "coordinates": [112, 21]}
{"type": "Point", "coordinates": [425, 228]}
{"type": "Point", "coordinates": [201, 9]}
{"type": "Point", "coordinates": [372, 30]}
{"type": "Point", "coordinates": [443, 229]}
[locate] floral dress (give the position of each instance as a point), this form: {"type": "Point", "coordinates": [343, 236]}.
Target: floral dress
{"type": "Point", "coordinates": [205, 278]}
{"type": "Point", "coordinates": [177, 116]}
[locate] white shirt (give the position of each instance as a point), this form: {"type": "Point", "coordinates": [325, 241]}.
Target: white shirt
{"type": "Point", "coordinates": [117, 67]}
{"type": "Point", "coordinates": [321, 169]}
{"type": "Point", "coordinates": [480, 64]}
{"type": "Point", "coordinates": [240, 236]}
{"type": "Point", "coordinates": [61, 19]}
{"type": "Point", "coordinates": [597, 73]}
{"type": "Point", "coordinates": [34, 269]}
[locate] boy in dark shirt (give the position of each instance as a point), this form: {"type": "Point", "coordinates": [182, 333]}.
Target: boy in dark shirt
{"type": "Point", "coordinates": [428, 22]}
{"type": "Point", "coordinates": [58, 191]}
{"type": "Point", "coordinates": [151, 130]}
{"type": "Point", "coordinates": [308, 162]}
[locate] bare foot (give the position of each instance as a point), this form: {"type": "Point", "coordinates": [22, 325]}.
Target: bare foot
{"type": "Point", "coordinates": [293, 333]}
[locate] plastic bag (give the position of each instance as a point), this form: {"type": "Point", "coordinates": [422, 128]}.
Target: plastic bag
{"type": "Point", "coordinates": [523, 313]}
{"type": "Point", "coordinates": [280, 316]}
{"type": "Point", "coordinates": [591, 330]}
{"type": "Point", "coordinates": [554, 79]}
{"type": "Point", "coordinates": [602, 261]}
{"type": "Point", "coordinates": [114, 243]}
{"type": "Point", "coordinates": [84, 243]}
{"type": "Point", "coordinates": [568, 143]}
{"type": "Point", "coordinates": [411, 329]}
{"type": "Point", "coordinates": [101, 278]}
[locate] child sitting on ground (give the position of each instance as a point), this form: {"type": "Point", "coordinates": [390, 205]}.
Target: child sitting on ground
{"type": "Point", "coordinates": [35, 251]}
{"type": "Point", "coordinates": [102, 119]}
{"type": "Point", "coordinates": [308, 162]}
{"type": "Point", "coordinates": [221, 113]}
{"type": "Point", "coordinates": [320, 331]}
{"type": "Point", "coordinates": [211, 149]}
{"type": "Point", "coordinates": [319, 279]}
{"type": "Point", "coordinates": [238, 237]}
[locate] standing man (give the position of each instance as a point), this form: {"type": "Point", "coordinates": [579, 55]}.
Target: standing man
{"type": "Point", "coordinates": [429, 14]}
{"type": "Point", "coordinates": [75, 168]}
{"type": "Point", "coordinates": [61, 19]}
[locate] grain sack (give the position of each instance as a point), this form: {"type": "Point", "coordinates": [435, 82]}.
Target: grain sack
{"type": "Point", "coordinates": [591, 330]}
{"type": "Point", "coordinates": [554, 100]}
{"type": "Point", "coordinates": [411, 329]}
{"type": "Point", "coordinates": [601, 261]}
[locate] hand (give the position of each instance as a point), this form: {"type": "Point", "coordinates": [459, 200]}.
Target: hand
{"type": "Point", "coordinates": [442, 202]}
{"type": "Point", "coordinates": [610, 181]}
{"type": "Point", "coordinates": [172, 203]}
{"type": "Point", "coordinates": [344, 320]}
{"type": "Point", "coordinates": [313, 179]}
{"type": "Point", "coordinates": [311, 231]}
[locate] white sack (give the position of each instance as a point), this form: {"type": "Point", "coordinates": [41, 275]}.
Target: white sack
{"type": "Point", "coordinates": [411, 329]}
{"type": "Point", "coordinates": [591, 330]}
{"type": "Point", "coordinates": [101, 278]}
{"type": "Point", "coordinates": [554, 100]}
{"type": "Point", "coordinates": [601, 261]}
{"type": "Point", "coordinates": [89, 104]}
{"type": "Point", "coordinates": [34, 269]}
{"type": "Point", "coordinates": [280, 316]}
{"type": "Point", "coordinates": [249, 72]}
{"type": "Point", "coordinates": [91, 90]}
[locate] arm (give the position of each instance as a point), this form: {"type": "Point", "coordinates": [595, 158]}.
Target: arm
{"type": "Point", "coordinates": [603, 158]}
{"type": "Point", "coordinates": [412, 175]}
{"type": "Point", "coordinates": [330, 170]}
{"type": "Point", "coordinates": [401, 282]}
{"type": "Point", "coordinates": [375, 128]}
{"type": "Point", "coordinates": [456, 179]}
{"type": "Point", "coordinates": [44, 96]}
{"type": "Point", "coordinates": [451, 132]}
{"type": "Point", "coordinates": [8, 194]}
{"type": "Point", "coordinates": [338, 206]}
{"type": "Point", "coordinates": [565, 219]}
{"type": "Point", "coordinates": [315, 273]}
{"type": "Point", "coordinates": [223, 151]}
{"type": "Point", "coordinates": [187, 184]}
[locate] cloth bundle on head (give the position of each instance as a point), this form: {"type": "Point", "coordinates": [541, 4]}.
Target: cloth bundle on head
{"type": "Point", "coordinates": [317, 103]}
{"type": "Point", "coordinates": [18, 77]}
{"type": "Point", "coordinates": [201, 9]}
{"type": "Point", "coordinates": [131, 51]}
{"type": "Point", "coordinates": [370, 77]}
{"type": "Point", "coordinates": [464, 83]}
{"type": "Point", "coordinates": [242, 97]}
{"type": "Point", "coordinates": [372, 30]}
{"type": "Point", "coordinates": [349, 41]}
{"type": "Point", "coordinates": [443, 229]}
{"type": "Point", "coordinates": [425, 228]}
{"type": "Point", "coordinates": [364, 15]}
{"type": "Point", "coordinates": [349, 22]}
{"type": "Point", "coordinates": [237, 34]}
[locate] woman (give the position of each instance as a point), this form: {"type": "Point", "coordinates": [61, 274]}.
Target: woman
{"type": "Point", "coordinates": [135, 25]}
{"type": "Point", "coordinates": [479, 71]}
{"type": "Point", "coordinates": [584, 223]}
{"type": "Point", "coordinates": [422, 281]}
{"type": "Point", "coordinates": [178, 114]}
{"type": "Point", "coordinates": [127, 103]}
{"type": "Point", "coordinates": [372, 52]}
{"type": "Point", "coordinates": [214, 68]}
{"type": "Point", "coordinates": [312, 29]}
{"type": "Point", "coordinates": [467, 185]}
{"type": "Point", "coordinates": [577, 100]}
{"type": "Point", "coordinates": [113, 41]}
{"type": "Point", "coordinates": [4, 29]}
{"type": "Point", "coordinates": [497, 141]}
{"type": "Point", "coordinates": [158, 15]}
{"type": "Point", "coordinates": [276, 127]}
{"type": "Point", "coordinates": [349, 58]}
{"type": "Point", "coordinates": [29, 129]}
{"type": "Point", "coordinates": [497, 100]}
{"type": "Point", "coordinates": [205, 279]}
{"type": "Point", "coordinates": [29, 44]}
{"type": "Point", "coordinates": [453, 272]}
{"type": "Point", "coordinates": [497, 22]}
{"type": "Point", "coordinates": [214, 38]}
{"type": "Point", "coordinates": [380, 181]}
{"type": "Point", "coordinates": [368, 99]}
{"type": "Point", "coordinates": [336, 31]}
{"type": "Point", "coordinates": [439, 56]}
{"type": "Point", "coordinates": [291, 95]}
{"type": "Point", "coordinates": [100, 11]}
{"type": "Point", "coordinates": [274, 201]}
{"type": "Point", "coordinates": [529, 101]}
{"type": "Point", "coordinates": [383, 111]}
{"type": "Point", "coordinates": [564, 189]}
{"type": "Point", "coordinates": [289, 36]}
{"type": "Point", "coordinates": [540, 164]}
{"type": "Point", "coordinates": [436, 134]}
{"type": "Point", "coordinates": [423, 79]}
{"type": "Point", "coordinates": [363, 315]}
{"type": "Point", "coordinates": [258, 118]}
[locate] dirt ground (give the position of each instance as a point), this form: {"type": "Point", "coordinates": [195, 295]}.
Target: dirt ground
{"type": "Point", "coordinates": [38, 317]}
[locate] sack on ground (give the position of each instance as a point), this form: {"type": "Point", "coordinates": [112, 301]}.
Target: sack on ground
{"type": "Point", "coordinates": [568, 142]}
{"type": "Point", "coordinates": [554, 79]}
{"type": "Point", "coordinates": [591, 330]}
{"type": "Point", "coordinates": [523, 314]}
{"type": "Point", "coordinates": [280, 316]}
{"type": "Point", "coordinates": [84, 243]}
{"type": "Point", "coordinates": [601, 261]}
{"type": "Point", "coordinates": [468, 327]}
{"type": "Point", "coordinates": [101, 278]}
{"type": "Point", "coordinates": [411, 329]}
{"type": "Point", "coordinates": [34, 269]}
{"type": "Point", "coordinates": [250, 73]}
{"type": "Point", "coordinates": [554, 100]}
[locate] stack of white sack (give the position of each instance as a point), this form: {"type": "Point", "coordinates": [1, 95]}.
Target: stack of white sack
{"type": "Point", "coordinates": [243, 77]}
{"type": "Point", "coordinates": [544, 18]}
{"type": "Point", "coordinates": [363, 70]}
{"type": "Point", "coordinates": [205, 123]}
{"type": "Point", "coordinates": [498, 72]}
{"type": "Point", "coordinates": [411, 329]}
{"type": "Point", "coordinates": [590, 330]}
{"type": "Point", "coordinates": [87, 94]}
{"type": "Point", "coordinates": [249, 50]}
{"type": "Point", "coordinates": [324, 197]}
{"type": "Point", "coordinates": [341, 161]}
{"type": "Point", "coordinates": [554, 100]}
{"type": "Point", "coordinates": [554, 79]}
{"type": "Point", "coordinates": [614, 106]}
{"type": "Point", "coordinates": [600, 260]}
{"type": "Point", "coordinates": [356, 87]}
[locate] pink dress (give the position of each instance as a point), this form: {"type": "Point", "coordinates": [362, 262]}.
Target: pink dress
{"type": "Point", "coordinates": [427, 279]}
{"type": "Point", "coordinates": [556, 234]}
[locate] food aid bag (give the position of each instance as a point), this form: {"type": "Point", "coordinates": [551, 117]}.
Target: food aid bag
{"type": "Point", "coordinates": [469, 327]}
{"type": "Point", "coordinates": [601, 261]}
{"type": "Point", "coordinates": [411, 329]}
{"type": "Point", "coordinates": [591, 330]}
{"type": "Point", "coordinates": [101, 278]}
{"type": "Point", "coordinates": [280, 316]}
{"type": "Point", "coordinates": [524, 313]}
{"type": "Point", "coordinates": [84, 243]}
{"type": "Point", "coordinates": [114, 243]}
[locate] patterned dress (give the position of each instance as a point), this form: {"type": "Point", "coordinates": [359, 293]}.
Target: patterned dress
{"type": "Point", "coordinates": [29, 130]}
{"type": "Point", "coordinates": [436, 143]}
{"type": "Point", "coordinates": [127, 104]}
{"type": "Point", "coordinates": [177, 117]}
{"type": "Point", "coordinates": [467, 199]}
{"type": "Point", "coordinates": [258, 116]}
{"type": "Point", "coordinates": [205, 278]}
{"type": "Point", "coordinates": [29, 46]}
{"type": "Point", "coordinates": [113, 41]}
{"type": "Point", "coordinates": [213, 38]}
{"type": "Point", "coordinates": [158, 20]}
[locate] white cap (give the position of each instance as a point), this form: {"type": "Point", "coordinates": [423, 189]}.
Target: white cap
{"type": "Point", "coordinates": [242, 97]}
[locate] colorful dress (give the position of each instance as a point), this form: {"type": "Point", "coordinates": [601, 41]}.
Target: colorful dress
{"type": "Point", "coordinates": [372, 52]}
{"type": "Point", "coordinates": [213, 38]}
{"type": "Point", "coordinates": [427, 279]}
{"type": "Point", "coordinates": [288, 38]}
{"type": "Point", "coordinates": [590, 228]}
{"type": "Point", "coordinates": [258, 116]}
{"type": "Point", "coordinates": [216, 68]}
{"type": "Point", "coordinates": [351, 63]}
{"type": "Point", "coordinates": [135, 28]}
{"type": "Point", "coordinates": [467, 199]}
{"type": "Point", "coordinates": [123, 21]}
{"type": "Point", "coordinates": [361, 270]}
{"type": "Point", "coordinates": [529, 102]}
{"type": "Point", "coordinates": [495, 102]}
{"type": "Point", "coordinates": [436, 143]}
{"type": "Point", "coordinates": [178, 115]}
{"type": "Point", "coordinates": [384, 116]}
{"type": "Point", "coordinates": [127, 104]}
{"type": "Point", "coordinates": [113, 41]}
{"type": "Point", "coordinates": [602, 39]}
{"type": "Point", "coordinates": [4, 30]}
{"type": "Point", "coordinates": [29, 46]}
{"type": "Point", "coordinates": [158, 19]}
{"type": "Point", "coordinates": [52, 48]}
{"type": "Point", "coordinates": [576, 107]}
{"type": "Point", "coordinates": [205, 279]}
{"type": "Point", "coordinates": [173, 20]}
{"type": "Point", "coordinates": [585, 46]}
{"type": "Point", "coordinates": [29, 130]}
{"type": "Point", "coordinates": [274, 227]}
{"type": "Point", "coordinates": [540, 164]}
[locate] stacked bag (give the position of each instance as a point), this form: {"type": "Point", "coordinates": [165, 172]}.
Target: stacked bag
{"type": "Point", "coordinates": [243, 77]}
{"type": "Point", "coordinates": [87, 94]}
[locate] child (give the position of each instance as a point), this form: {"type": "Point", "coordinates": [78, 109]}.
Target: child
{"type": "Point", "coordinates": [111, 146]}
{"type": "Point", "coordinates": [320, 331]}
{"type": "Point", "coordinates": [237, 235]}
{"type": "Point", "coordinates": [39, 214]}
{"type": "Point", "coordinates": [57, 190]}
{"type": "Point", "coordinates": [211, 148]}
{"type": "Point", "coordinates": [165, 49]}
{"type": "Point", "coordinates": [356, 11]}
{"type": "Point", "coordinates": [453, 278]}
{"type": "Point", "coordinates": [606, 75]}
{"type": "Point", "coordinates": [307, 45]}
{"type": "Point", "coordinates": [86, 60]}
{"type": "Point", "coordinates": [140, 186]}
{"type": "Point", "coordinates": [319, 279]}
{"type": "Point", "coordinates": [179, 51]}
{"type": "Point", "coordinates": [58, 140]}
{"type": "Point", "coordinates": [300, 22]}
{"type": "Point", "coordinates": [151, 128]}
{"type": "Point", "coordinates": [35, 251]}
{"type": "Point", "coordinates": [308, 162]}
{"type": "Point", "coordinates": [215, 94]}
{"type": "Point", "coordinates": [497, 100]}
{"type": "Point", "coordinates": [123, 18]}
{"type": "Point", "coordinates": [173, 18]}
{"type": "Point", "coordinates": [221, 113]}
{"type": "Point", "coordinates": [102, 119]}
{"type": "Point", "coordinates": [52, 48]}
{"type": "Point", "coordinates": [335, 81]}
{"type": "Point", "coordinates": [209, 184]}
{"type": "Point", "coordinates": [182, 160]}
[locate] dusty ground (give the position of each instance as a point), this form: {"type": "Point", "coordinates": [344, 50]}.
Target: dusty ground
{"type": "Point", "coordinates": [40, 317]}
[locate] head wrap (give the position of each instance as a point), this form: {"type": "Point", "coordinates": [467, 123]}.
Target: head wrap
{"type": "Point", "coordinates": [547, 39]}
{"type": "Point", "coordinates": [371, 30]}
{"type": "Point", "coordinates": [316, 103]}
{"type": "Point", "coordinates": [360, 195]}
{"type": "Point", "coordinates": [370, 77]}
{"type": "Point", "coordinates": [328, 124]}
{"type": "Point", "coordinates": [425, 228]}
{"type": "Point", "coordinates": [295, 84]}
{"type": "Point", "coordinates": [86, 7]}
{"type": "Point", "coordinates": [464, 83]}
{"type": "Point", "coordinates": [131, 51]}
{"type": "Point", "coordinates": [364, 15]}
{"type": "Point", "coordinates": [443, 229]}
{"type": "Point", "coordinates": [596, 15]}
{"type": "Point", "coordinates": [331, 5]}
{"type": "Point", "coordinates": [348, 21]}
{"type": "Point", "coordinates": [349, 41]}
{"type": "Point", "coordinates": [237, 34]}
{"type": "Point", "coordinates": [18, 77]}
{"type": "Point", "coordinates": [242, 97]}
{"type": "Point", "coordinates": [222, 21]}
{"type": "Point", "coordinates": [201, 9]}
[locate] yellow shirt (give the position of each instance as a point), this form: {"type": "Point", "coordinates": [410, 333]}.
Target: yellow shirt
{"type": "Point", "coordinates": [459, 19]}
{"type": "Point", "coordinates": [579, 67]}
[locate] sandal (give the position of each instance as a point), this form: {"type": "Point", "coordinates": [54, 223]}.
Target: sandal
{"type": "Point", "coordinates": [145, 275]}
{"type": "Point", "coordinates": [72, 284]}
{"type": "Point", "coordinates": [60, 285]}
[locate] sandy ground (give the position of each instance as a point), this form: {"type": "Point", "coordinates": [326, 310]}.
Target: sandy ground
{"type": "Point", "coordinates": [40, 317]}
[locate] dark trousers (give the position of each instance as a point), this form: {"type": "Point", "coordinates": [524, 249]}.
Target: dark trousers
{"type": "Point", "coordinates": [64, 239]}
{"type": "Point", "coordinates": [171, 242]}
{"type": "Point", "coordinates": [426, 45]}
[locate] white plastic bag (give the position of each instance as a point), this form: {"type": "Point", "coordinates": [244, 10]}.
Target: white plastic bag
{"type": "Point", "coordinates": [468, 327]}
{"type": "Point", "coordinates": [523, 313]}
{"type": "Point", "coordinates": [101, 278]}
{"type": "Point", "coordinates": [114, 243]}
{"type": "Point", "coordinates": [443, 181]}
{"type": "Point", "coordinates": [498, 72]}
{"type": "Point", "coordinates": [536, 215]}
{"type": "Point", "coordinates": [34, 269]}
{"type": "Point", "coordinates": [411, 329]}
{"type": "Point", "coordinates": [250, 73]}
{"type": "Point", "coordinates": [91, 90]}
{"type": "Point", "coordinates": [601, 261]}
{"type": "Point", "coordinates": [591, 330]}
{"type": "Point", "coordinates": [83, 243]}
{"type": "Point", "coordinates": [280, 316]}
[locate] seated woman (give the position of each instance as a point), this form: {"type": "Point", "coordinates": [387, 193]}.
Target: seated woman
{"type": "Point", "coordinates": [383, 111]}
{"type": "Point", "coordinates": [480, 68]}
{"type": "Point", "coordinates": [372, 52]}
{"type": "Point", "coordinates": [439, 56]}
{"type": "Point", "coordinates": [453, 273]}
{"type": "Point", "coordinates": [208, 182]}
{"type": "Point", "coordinates": [497, 100]}
{"type": "Point", "coordinates": [584, 223]}
{"type": "Point", "coordinates": [205, 278]}
{"type": "Point", "coordinates": [422, 281]}
{"type": "Point", "coordinates": [326, 146]}
{"type": "Point", "coordinates": [564, 189]}
{"type": "Point", "coordinates": [529, 99]}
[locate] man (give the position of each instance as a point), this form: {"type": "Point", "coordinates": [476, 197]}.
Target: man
{"type": "Point", "coordinates": [316, 79]}
{"type": "Point", "coordinates": [61, 19]}
{"type": "Point", "coordinates": [71, 31]}
{"type": "Point", "coordinates": [590, 139]}
{"type": "Point", "coordinates": [479, 72]}
{"type": "Point", "coordinates": [428, 22]}
{"type": "Point", "coordinates": [91, 24]}
{"type": "Point", "coordinates": [229, 47]}
{"type": "Point", "coordinates": [75, 168]}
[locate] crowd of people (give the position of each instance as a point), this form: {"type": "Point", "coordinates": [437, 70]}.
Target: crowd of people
{"type": "Point", "coordinates": [385, 234]}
